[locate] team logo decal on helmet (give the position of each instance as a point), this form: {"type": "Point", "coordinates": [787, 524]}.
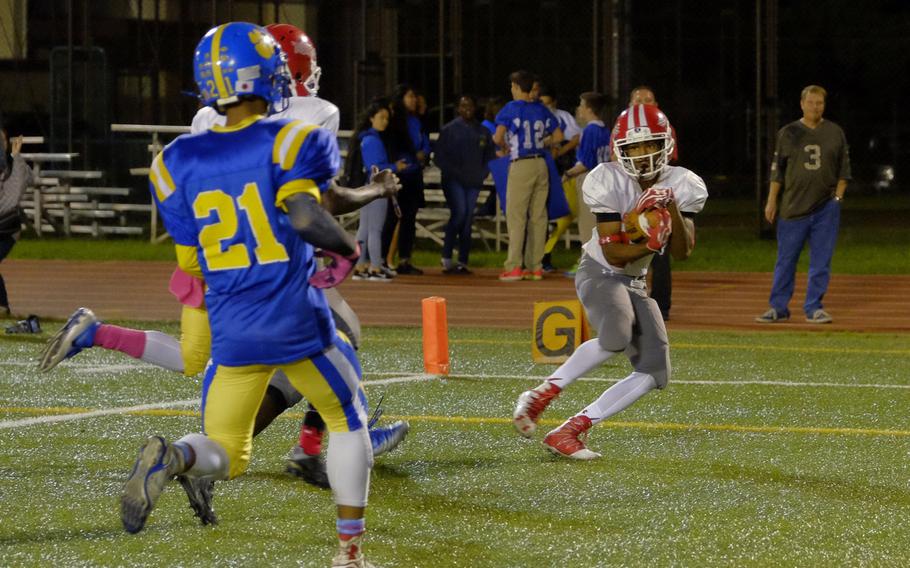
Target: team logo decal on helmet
{"type": "Point", "coordinates": [640, 124]}
{"type": "Point", "coordinates": [241, 59]}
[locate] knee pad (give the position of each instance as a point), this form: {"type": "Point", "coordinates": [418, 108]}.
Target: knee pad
{"type": "Point", "coordinates": [614, 340]}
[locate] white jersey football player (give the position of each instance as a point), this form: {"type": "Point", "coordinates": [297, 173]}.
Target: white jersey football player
{"type": "Point", "coordinates": [305, 73]}
{"type": "Point", "coordinates": [610, 281]}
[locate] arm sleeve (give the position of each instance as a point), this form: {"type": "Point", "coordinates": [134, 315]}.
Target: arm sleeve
{"type": "Point", "coordinates": [171, 202]}
{"type": "Point", "coordinates": [332, 121]}
{"type": "Point", "coordinates": [692, 199]}
{"type": "Point", "coordinates": [505, 116]}
{"type": "Point", "coordinates": [374, 154]}
{"type": "Point", "coordinates": [305, 159]}
{"type": "Point", "coordinates": [587, 149]}
{"type": "Point", "coordinates": [420, 141]}
{"type": "Point", "coordinates": [442, 151]}
{"type": "Point", "coordinates": [597, 194]}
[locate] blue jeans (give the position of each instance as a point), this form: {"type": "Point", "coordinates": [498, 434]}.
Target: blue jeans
{"type": "Point", "coordinates": [820, 229]}
{"type": "Point", "coordinates": [461, 201]}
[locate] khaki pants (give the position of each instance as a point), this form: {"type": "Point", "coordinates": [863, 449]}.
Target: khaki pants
{"type": "Point", "coordinates": [586, 220]}
{"type": "Point", "coordinates": [526, 212]}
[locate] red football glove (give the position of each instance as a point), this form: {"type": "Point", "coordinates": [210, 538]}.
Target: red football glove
{"type": "Point", "coordinates": [336, 268]}
{"type": "Point", "coordinates": [654, 198]}
{"type": "Point", "coordinates": [659, 233]}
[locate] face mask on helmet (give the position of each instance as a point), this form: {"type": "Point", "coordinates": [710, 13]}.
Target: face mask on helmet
{"type": "Point", "coordinates": [301, 58]}
{"type": "Point", "coordinates": [645, 165]}
{"type": "Point", "coordinates": [239, 60]}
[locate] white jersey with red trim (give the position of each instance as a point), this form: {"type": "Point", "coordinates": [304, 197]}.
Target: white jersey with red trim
{"type": "Point", "coordinates": [311, 110]}
{"type": "Point", "coordinates": [609, 189]}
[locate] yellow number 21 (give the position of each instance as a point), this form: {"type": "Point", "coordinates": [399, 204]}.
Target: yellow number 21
{"type": "Point", "coordinates": [211, 237]}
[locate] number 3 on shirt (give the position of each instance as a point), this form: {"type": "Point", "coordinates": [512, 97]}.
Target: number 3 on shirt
{"type": "Point", "coordinates": [211, 237]}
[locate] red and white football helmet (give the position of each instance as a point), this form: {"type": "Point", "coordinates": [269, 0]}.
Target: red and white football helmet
{"type": "Point", "coordinates": [643, 123]}
{"type": "Point", "coordinates": [301, 56]}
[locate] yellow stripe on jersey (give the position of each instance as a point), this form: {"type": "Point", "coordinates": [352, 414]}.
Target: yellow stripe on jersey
{"type": "Point", "coordinates": [294, 187]}
{"type": "Point", "coordinates": [288, 143]}
{"type": "Point", "coordinates": [188, 260]}
{"type": "Point", "coordinates": [161, 178]}
{"type": "Point", "coordinates": [215, 55]}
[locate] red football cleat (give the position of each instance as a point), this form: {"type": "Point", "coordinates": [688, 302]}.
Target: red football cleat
{"type": "Point", "coordinates": [567, 440]}
{"type": "Point", "coordinates": [531, 405]}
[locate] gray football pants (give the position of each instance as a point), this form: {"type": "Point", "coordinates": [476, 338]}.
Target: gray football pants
{"type": "Point", "coordinates": [625, 318]}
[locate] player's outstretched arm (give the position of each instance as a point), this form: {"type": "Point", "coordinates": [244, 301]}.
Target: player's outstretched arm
{"type": "Point", "coordinates": [339, 199]}
{"type": "Point", "coordinates": [317, 226]}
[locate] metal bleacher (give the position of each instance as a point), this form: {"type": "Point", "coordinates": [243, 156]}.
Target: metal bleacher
{"type": "Point", "coordinates": [54, 205]}
{"type": "Point", "coordinates": [63, 201]}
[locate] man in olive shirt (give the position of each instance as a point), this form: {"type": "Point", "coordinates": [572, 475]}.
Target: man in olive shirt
{"type": "Point", "coordinates": [812, 159]}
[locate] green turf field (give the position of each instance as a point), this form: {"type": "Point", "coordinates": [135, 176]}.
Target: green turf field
{"type": "Point", "coordinates": [767, 449]}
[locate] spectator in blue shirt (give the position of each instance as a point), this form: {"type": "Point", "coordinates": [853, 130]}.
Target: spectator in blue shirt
{"type": "Point", "coordinates": [373, 215]}
{"type": "Point", "coordinates": [407, 142]}
{"type": "Point", "coordinates": [462, 152]}
{"type": "Point", "coordinates": [593, 149]}
{"type": "Point", "coordinates": [526, 128]}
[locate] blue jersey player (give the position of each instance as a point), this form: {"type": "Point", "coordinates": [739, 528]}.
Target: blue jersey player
{"type": "Point", "coordinates": [242, 203]}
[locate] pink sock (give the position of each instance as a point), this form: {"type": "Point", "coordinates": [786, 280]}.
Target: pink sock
{"type": "Point", "coordinates": [125, 340]}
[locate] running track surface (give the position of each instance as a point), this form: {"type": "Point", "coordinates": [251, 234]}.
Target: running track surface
{"type": "Point", "coordinates": [137, 290]}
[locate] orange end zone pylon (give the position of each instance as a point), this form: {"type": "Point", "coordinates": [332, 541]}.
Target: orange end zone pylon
{"type": "Point", "coordinates": [435, 336]}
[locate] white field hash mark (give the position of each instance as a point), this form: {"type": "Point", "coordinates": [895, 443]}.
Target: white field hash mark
{"type": "Point", "coordinates": [7, 424]}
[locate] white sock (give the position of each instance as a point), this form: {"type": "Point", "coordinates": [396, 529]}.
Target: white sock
{"type": "Point", "coordinates": [589, 355]}
{"type": "Point", "coordinates": [211, 459]}
{"type": "Point", "coordinates": [620, 396]}
{"type": "Point", "coordinates": [163, 351]}
{"type": "Point", "coordinates": [348, 462]}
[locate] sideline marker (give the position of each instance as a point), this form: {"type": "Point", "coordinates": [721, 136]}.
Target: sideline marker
{"type": "Point", "coordinates": [435, 336]}
{"type": "Point", "coordinates": [559, 328]}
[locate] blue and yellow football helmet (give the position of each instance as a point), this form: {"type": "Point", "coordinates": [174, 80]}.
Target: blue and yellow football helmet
{"type": "Point", "coordinates": [240, 59]}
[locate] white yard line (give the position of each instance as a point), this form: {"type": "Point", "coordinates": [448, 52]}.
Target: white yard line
{"type": "Point", "coordinates": [400, 377]}
{"type": "Point", "coordinates": [7, 424]}
{"type": "Point", "coordinates": [92, 414]}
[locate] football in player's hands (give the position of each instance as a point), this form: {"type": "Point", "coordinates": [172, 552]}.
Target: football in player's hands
{"type": "Point", "coordinates": [639, 226]}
